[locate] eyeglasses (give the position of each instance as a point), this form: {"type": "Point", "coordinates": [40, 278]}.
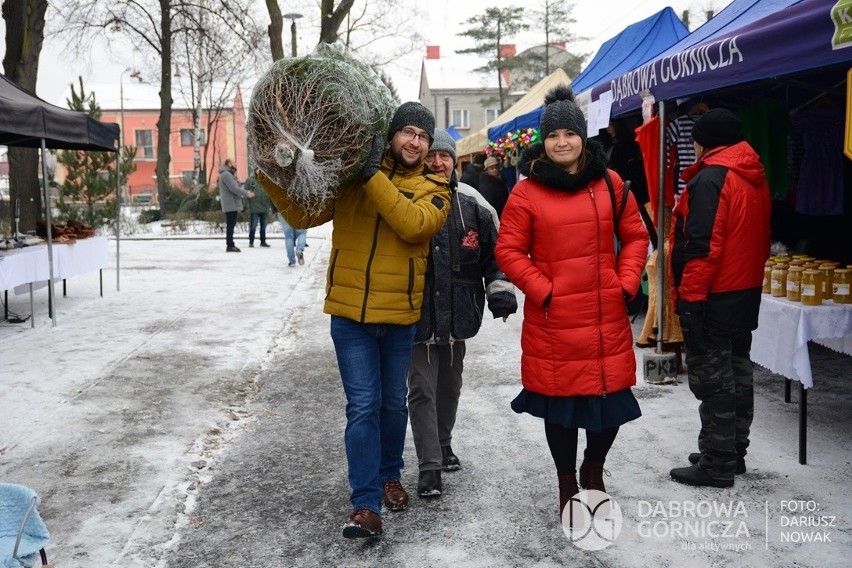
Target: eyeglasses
{"type": "Point", "coordinates": [408, 135]}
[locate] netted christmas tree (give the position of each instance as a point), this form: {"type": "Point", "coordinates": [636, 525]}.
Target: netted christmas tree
{"type": "Point", "coordinates": [311, 122]}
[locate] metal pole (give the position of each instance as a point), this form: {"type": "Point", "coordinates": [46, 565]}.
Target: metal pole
{"type": "Point", "coordinates": [661, 217]}
{"type": "Point", "coordinates": [293, 37]}
{"type": "Point", "coordinates": [52, 311]}
{"type": "Point", "coordinates": [118, 215]}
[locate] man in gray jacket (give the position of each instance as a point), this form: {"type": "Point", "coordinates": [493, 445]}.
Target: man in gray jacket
{"type": "Point", "coordinates": [231, 198]}
{"type": "Point", "coordinates": [461, 274]}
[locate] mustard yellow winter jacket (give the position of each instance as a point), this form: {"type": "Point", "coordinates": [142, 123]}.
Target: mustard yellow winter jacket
{"type": "Point", "coordinates": [380, 241]}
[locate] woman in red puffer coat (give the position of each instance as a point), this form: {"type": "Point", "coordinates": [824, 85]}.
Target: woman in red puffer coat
{"type": "Point", "coordinates": [556, 243]}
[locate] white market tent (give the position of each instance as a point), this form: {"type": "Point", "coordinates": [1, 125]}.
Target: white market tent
{"type": "Point", "coordinates": [532, 100]}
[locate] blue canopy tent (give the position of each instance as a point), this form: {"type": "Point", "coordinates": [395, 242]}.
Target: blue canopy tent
{"type": "Point", "coordinates": [635, 45]}
{"type": "Point", "coordinates": [749, 41]}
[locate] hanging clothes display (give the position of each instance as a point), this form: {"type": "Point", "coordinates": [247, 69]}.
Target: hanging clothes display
{"type": "Point", "coordinates": [648, 138]}
{"type": "Point", "coordinates": [820, 186]}
{"type": "Point", "coordinates": [679, 137]}
{"type": "Point", "coordinates": [766, 126]}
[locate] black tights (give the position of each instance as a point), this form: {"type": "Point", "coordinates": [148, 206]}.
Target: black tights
{"type": "Point", "coordinates": [563, 446]}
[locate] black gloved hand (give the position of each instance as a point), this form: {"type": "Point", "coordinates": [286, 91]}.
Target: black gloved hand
{"type": "Point", "coordinates": [692, 325]}
{"type": "Point", "coordinates": [374, 160]}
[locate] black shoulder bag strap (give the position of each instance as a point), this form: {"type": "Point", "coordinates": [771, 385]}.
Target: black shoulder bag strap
{"type": "Point", "coordinates": [617, 212]}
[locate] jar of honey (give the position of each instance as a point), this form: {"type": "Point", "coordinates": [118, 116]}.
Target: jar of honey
{"type": "Point", "coordinates": [767, 276]}
{"type": "Point", "coordinates": [826, 271]}
{"type": "Point", "coordinates": [778, 280]}
{"type": "Point", "coordinates": [794, 282]}
{"type": "Point", "coordinates": [841, 286]}
{"type": "Point", "coordinates": [811, 288]}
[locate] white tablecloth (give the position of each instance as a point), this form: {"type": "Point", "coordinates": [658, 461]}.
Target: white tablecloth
{"type": "Point", "coordinates": [29, 265]}
{"type": "Point", "coordinates": [780, 343]}
{"type": "Point", "coordinates": [21, 266]}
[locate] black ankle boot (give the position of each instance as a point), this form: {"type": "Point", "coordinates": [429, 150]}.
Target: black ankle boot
{"type": "Point", "coordinates": [591, 475]}
{"type": "Point", "coordinates": [567, 489]}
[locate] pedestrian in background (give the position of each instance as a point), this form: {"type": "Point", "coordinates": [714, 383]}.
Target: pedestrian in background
{"type": "Point", "coordinates": [556, 243]}
{"type": "Point", "coordinates": [259, 207]}
{"type": "Point", "coordinates": [294, 241]}
{"type": "Point", "coordinates": [719, 245]}
{"type": "Point", "coordinates": [462, 274]}
{"type": "Point", "coordinates": [374, 292]}
{"type": "Point", "coordinates": [492, 186]}
{"type": "Point", "coordinates": [471, 172]}
{"type": "Point", "coordinates": [231, 199]}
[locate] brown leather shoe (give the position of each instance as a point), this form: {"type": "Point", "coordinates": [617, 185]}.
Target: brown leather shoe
{"type": "Point", "coordinates": [395, 497]}
{"type": "Point", "coordinates": [363, 523]}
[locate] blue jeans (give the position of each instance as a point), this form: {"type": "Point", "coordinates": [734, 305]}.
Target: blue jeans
{"type": "Point", "coordinates": [294, 239]}
{"type": "Point", "coordinates": [255, 218]}
{"type": "Point", "coordinates": [373, 361]}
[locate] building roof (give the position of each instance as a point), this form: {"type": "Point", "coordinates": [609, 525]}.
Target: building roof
{"type": "Point", "coordinates": [532, 100]}
{"type": "Point", "coordinates": [456, 72]}
{"type": "Point", "coordinates": [137, 96]}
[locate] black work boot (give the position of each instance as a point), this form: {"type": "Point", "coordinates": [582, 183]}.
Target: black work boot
{"type": "Point", "coordinates": [697, 476]}
{"type": "Point", "coordinates": [429, 484]}
{"type": "Point", "coordinates": [695, 457]}
{"type": "Point", "coordinates": [450, 461]}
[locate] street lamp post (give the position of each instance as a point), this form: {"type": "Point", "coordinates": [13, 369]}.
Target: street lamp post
{"type": "Point", "coordinates": [134, 74]}
{"type": "Point", "coordinates": [292, 16]}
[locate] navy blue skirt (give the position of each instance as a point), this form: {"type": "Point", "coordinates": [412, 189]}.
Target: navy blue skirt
{"type": "Point", "coordinates": [593, 413]}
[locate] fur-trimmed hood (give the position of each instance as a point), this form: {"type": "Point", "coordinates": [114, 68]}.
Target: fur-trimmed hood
{"type": "Point", "coordinates": [549, 174]}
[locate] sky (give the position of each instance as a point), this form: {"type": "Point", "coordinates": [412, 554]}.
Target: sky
{"type": "Point", "coordinates": [159, 424]}
{"type": "Point", "coordinates": [442, 21]}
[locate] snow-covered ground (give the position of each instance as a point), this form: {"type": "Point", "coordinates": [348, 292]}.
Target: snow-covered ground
{"type": "Point", "coordinates": [195, 419]}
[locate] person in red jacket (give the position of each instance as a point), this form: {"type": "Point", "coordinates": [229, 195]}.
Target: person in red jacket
{"type": "Point", "coordinates": [720, 241]}
{"type": "Point", "coordinates": [557, 244]}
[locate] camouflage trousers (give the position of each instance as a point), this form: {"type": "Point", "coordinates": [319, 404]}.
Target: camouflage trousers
{"type": "Point", "coordinates": [722, 379]}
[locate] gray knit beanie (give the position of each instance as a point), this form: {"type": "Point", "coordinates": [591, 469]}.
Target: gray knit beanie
{"type": "Point", "coordinates": [560, 111]}
{"type": "Point", "coordinates": [412, 113]}
{"type": "Point", "coordinates": [443, 142]}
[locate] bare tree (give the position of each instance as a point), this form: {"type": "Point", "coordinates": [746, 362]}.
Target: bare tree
{"type": "Point", "coordinates": [275, 29]}
{"type": "Point", "coordinates": [213, 64]}
{"type": "Point", "coordinates": [490, 31]}
{"type": "Point", "coordinates": [151, 24]}
{"type": "Point", "coordinates": [331, 18]}
{"type": "Point", "coordinates": [24, 38]}
{"type": "Point", "coordinates": [366, 31]}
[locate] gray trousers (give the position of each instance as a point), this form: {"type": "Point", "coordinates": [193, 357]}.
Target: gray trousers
{"type": "Point", "coordinates": [434, 387]}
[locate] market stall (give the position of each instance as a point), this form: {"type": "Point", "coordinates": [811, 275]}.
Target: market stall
{"type": "Point", "coordinates": [26, 120]}
{"type": "Point", "coordinates": [791, 57]}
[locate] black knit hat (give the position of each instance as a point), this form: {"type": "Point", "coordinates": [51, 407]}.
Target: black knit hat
{"type": "Point", "coordinates": [560, 111]}
{"type": "Point", "coordinates": [412, 113]}
{"type": "Point", "coordinates": [717, 127]}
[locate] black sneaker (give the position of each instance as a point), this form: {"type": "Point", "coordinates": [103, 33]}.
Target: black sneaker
{"type": "Point", "coordinates": [232, 249]}
{"type": "Point", "coordinates": [695, 457]}
{"type": "Point", "coordinates": [451, 462]}
{"type": "Point", "coordinates": [697, 476]}
{"type": "Point", "coordinates": [429, 484]}
{"type": "Point", "coordinates": [264, 244]}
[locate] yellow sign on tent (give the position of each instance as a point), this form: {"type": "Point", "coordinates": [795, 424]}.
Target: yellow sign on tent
{"type": "Point", "coordinates": [847, 139]}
